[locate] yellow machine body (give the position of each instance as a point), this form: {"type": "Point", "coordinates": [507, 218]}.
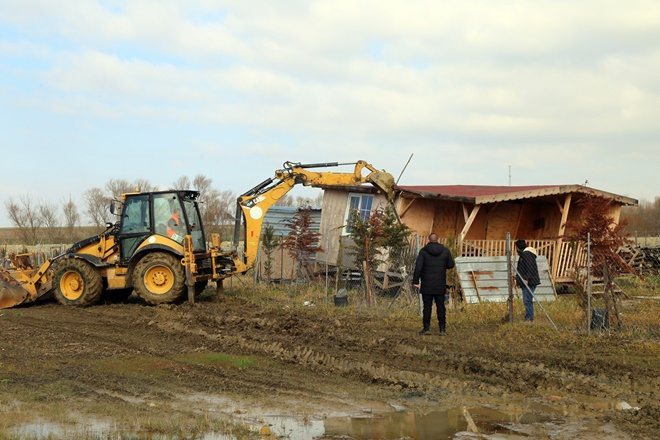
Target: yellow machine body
{"type": "Point", "coordinates": [156, 257]}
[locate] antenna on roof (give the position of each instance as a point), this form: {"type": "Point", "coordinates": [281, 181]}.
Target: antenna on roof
{"type": "Point", "coordinates": [404, 168]}
{"type": "Point", "coordinates": [509, 175]}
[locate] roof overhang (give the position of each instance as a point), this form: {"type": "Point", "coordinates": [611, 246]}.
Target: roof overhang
{"type": "Point", "coordinates": [556, 190]}
{"type": "Point", "coordinates": [518, 195]}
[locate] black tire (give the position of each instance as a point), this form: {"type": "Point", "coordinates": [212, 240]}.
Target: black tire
{"type": "Point", "coordinates": [159, 278]}
{"type": "Point", "coordinates": [117, 295]}
{"type": "Point", "coordinates": [77, 283]}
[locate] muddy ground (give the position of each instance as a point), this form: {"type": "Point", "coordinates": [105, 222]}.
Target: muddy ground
{"type": "Point", "coordinates": [220, 366]}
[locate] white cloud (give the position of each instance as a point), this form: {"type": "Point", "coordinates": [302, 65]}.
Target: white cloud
{"type": "Point", "coordinates": [460, 82]}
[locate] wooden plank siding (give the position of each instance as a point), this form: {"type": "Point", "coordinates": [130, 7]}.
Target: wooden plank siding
{"type": "Point", "coordinates": [476, 220]}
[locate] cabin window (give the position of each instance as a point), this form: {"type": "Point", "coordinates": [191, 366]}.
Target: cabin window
{"type": "Point", "coordinates": [362, 203]}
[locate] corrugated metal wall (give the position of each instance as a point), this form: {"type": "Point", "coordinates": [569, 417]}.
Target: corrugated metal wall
{"type": "Point", "coordinates": [485, 279]}
{"type": "Point", "coordinates": [283, 266]}
{"type": "Point", "coordinates": [277, 217]}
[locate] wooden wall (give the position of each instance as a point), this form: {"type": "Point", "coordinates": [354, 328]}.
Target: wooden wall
{"type": "Point", "coordinates": [333, 217]}
{"type": "Point", "coordinates": [534, 219]}
{"type": "Point", "coordinates": [537, 218]}
{"type": "Point", "coordinates": [332, 221]}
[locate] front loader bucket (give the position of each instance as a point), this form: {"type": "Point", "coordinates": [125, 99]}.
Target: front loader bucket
{"type": "Point", "coordinates": [383, 181]}
{"type": "Point", "coordinates": [11, 292]}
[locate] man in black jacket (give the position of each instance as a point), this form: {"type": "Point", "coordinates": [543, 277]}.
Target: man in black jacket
{"type": "Point", "coordinates": [431, 268]}
{"type": "Point", "coordinates": [527, 276]}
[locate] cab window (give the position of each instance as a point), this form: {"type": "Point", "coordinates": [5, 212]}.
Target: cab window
{"type": "Point", "coordinates": [135, 216]}
{"type": "Point", "coordinates": [195, 224]}
{"type": "Point", "coordinates": [168, 218]}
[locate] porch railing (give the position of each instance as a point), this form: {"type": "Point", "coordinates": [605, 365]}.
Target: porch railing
{"type": "Point", "coordinates": [563, 258]}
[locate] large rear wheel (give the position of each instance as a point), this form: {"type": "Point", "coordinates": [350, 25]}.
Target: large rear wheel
{"type": "Point", "coordinates": [159, 278]}
{"type": "Point", "coordinates": [77, 283]}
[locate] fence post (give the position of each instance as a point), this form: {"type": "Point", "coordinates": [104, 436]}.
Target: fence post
{"type": "Point", "coordinates": [589, 282]}
{"type": "Point", "coordinates": [281, 262]}
{"type": "Point", "coordinates": [419, 294]}
{"type": "Point", "coordinates": [510, 276]}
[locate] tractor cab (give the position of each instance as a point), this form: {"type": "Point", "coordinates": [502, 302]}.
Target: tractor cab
{"type": "Point", "coordinates": [169, 214]}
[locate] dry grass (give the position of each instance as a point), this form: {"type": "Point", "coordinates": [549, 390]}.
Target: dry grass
{"type": "Point", "coordinates": [639, 316]}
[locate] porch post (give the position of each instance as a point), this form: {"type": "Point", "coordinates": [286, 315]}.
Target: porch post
{"type": "Point", "coordinates": [560, 235]}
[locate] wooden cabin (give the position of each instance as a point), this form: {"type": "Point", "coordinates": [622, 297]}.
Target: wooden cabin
{"type": "Point", "coordinates": [477, 217]}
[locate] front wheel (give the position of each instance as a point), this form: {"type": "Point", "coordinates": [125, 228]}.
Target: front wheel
{"type": "Point", "coordinates": [77, 283]}
{"type": "Point", "coordinates": [159, 278]}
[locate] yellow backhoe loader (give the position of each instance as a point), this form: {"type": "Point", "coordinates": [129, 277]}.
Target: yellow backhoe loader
{"type": "Point", "coordinates": [159, 248]}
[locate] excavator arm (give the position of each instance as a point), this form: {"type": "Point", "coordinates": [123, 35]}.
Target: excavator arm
{"type": "Point", "coordinates": [253, 205]}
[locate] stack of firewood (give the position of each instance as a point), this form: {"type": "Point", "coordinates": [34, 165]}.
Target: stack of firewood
{"type": "Point", "coordinates": [644, 260]}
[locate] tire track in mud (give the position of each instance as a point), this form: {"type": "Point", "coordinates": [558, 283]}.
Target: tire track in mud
{"type": "Point", "coordinates": [322, 362]}
{"type": "Point", "coordinates": [353, 347]}
{"type": "Point", "coordinates": [381, 360]}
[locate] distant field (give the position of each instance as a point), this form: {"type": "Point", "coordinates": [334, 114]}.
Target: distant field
{"type": "Point", "coordinates": [11, 236]}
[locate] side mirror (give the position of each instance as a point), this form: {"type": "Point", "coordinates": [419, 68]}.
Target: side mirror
{"type": "Point", "coordinates": [113, 208]}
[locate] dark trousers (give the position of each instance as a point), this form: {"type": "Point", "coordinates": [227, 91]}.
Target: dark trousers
{"type": "Point", "coordinates": [440, 308]}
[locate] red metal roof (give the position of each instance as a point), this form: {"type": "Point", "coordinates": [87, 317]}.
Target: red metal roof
{"type": "Point", "coordinates": [470, 190]}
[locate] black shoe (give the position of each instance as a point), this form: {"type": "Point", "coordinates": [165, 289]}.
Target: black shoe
{"type": "Point", "coordinates": [425, 331]}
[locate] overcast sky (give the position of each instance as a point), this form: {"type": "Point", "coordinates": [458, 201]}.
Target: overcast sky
{"type": "Point", "coordinates": [563, 91]}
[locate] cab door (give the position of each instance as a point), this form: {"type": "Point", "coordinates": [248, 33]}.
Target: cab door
{"type": "Point", "coordinates": [135, 225]}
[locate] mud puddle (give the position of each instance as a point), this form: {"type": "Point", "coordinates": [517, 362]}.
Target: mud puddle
{"type": "Point", "coordinates": [432, 425]}
{"type": "Point", "coordinates": [485, 423]}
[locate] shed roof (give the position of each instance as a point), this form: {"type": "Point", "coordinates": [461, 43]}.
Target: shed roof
{"type": "Point", "coordinates": [481, 194]}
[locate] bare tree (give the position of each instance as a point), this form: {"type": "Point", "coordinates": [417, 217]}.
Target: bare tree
{"type": "Point", "coordinates": [97, 206]}
{"type": "Point", "coordinates": [182, 182]}
{"type": "Point", "coordinates": [216, 207]}
{"type": "Point", "coordinates": [644, 218]}
{"type": "Point", "coordinates": [143, 185]}
{"type": "Point", "coordinates": [287, 200]}
{"type": "Point", "coordinates": [202, 184]}
{"type": "Point", "coordinates": [117, 187]}
{"type": "Point", "coordinates": [50, 221]}
{"type": "Point", "coordinates": [71, 219]}
{"type": "Point", "coordinates": [24, 216]}
{"type": "Point", "coordinates": [227, 206]}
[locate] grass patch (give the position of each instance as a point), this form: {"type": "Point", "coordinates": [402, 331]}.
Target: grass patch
{"type": "Point", "coordinates": [221, 359]}
{"type": "Point", "coordinates": [150, 366]}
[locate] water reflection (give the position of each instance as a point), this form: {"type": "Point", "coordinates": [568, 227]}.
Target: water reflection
{"type": "Point", "coordinates": [435, 425]}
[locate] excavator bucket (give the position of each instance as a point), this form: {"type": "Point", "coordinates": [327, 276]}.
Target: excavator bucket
{"type": "Point", "coordinates": [384, 181]}
{"type": "Point", "coordinates": [11, 292]}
